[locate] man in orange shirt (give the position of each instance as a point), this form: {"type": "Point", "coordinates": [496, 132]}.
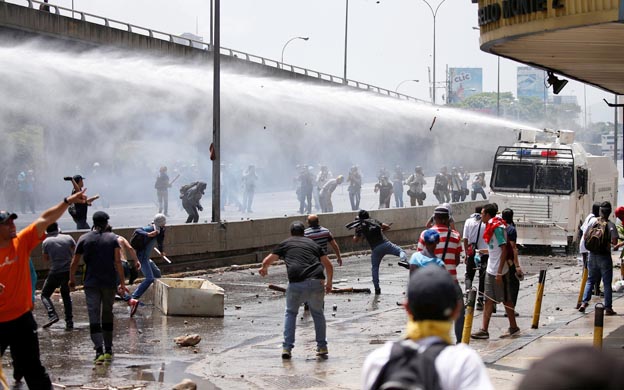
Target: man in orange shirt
{"type": "Point", "coordinates": [18, 328]}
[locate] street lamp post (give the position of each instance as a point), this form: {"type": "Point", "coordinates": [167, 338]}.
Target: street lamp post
{"type": "Point", "coordinates": [404, 81]}
{"type": "Point", "coordinates": [345, 45]}
{"type": "Point", "coordinates": [286, 44]}
{"type": "Point", "coordinates": [216, 114]}
{"type": "Point", "coordinates": [434, 14]}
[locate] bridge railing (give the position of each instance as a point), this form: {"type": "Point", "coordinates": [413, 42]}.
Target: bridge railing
{"type": "Point", "coordinates": [180, 40]}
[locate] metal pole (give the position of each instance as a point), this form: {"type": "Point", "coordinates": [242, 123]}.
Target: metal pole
{"type": "Point", "coordinates": [498, 88]}
{"type": "Point", "coordinates": [434, 14]}
{"type": "Point", "coordinates": [615, 132]}
{"type": "Point", "coordinates": [346, 35]}
{"type": "Point", "coordinates": [211, 23]}
{"type": "Point", "coordinates": [434, 59]}
{"type": "Point", "coordinates": [585, 107]}
{"type": "Point", "coordinates": [216, 116]}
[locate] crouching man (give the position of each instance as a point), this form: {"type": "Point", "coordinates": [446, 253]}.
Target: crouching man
{"type": "Point", "coordinates": [306, 283]}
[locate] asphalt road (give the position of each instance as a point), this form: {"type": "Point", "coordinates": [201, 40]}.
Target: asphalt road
{"type": "Point", "coordinates": [242, 350]}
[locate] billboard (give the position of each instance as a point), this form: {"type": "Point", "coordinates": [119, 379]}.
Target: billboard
{"type": "Point", "coordinates": [464, 82]}
{"type": "Point", "coordinates": [531, 83]}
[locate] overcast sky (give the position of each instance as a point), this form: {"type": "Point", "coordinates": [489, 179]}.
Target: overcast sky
{"type": "Point", "coordinates": [389, 40]}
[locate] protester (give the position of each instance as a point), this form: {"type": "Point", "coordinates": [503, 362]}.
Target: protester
{"type": "Point", "coordinates": [78, 211]}
{"type": "Point", "coordinates": [322, 236]}
{"type": "Point", "coordinates": [473, 243]}
{"type": "Point", "coordinates": [372, 230]}
{"type": "Point", "coordinates": [355, 187]}
{"type": "Point", "coordinates": [427, 256]}
{"type": "Point", "coordinates": [248, 181]}
{"type": "Point", "coordinates": [325, 194]}
{"type": "Point", "coordinates": [432, 305]}
{"type": "Point", "coordinates": [58, 250]}
{"type": "Point", "coordinates": [306, 283]}
{"type": "Point", "coordinates": [589, 220]}
{"type": "Point", "coordinates": [162, 186]}
{"type": "Point", "coordinates": [600, 263]}
{"type": "Point", "coordinates": [497, 279]}
{"type": "Point", "coordinates": [448, 250]}
{"type": "Point", "coordinates": [191, 194]}
{"type": "Point", "coordinates": [153, 235]}
{"type": "Point", "coordinates": [515, 272]}
{"type": "Point", "coordinates": [100, 251]}
{"type": "Point", "coordinates": [18, 328]}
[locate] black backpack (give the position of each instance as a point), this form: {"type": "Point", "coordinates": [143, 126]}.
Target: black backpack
{"type": "Point", "coordinates": [597, 237]}
{"type": "Point", "coordinates": [137, 240]}
{"type": "Point", "coordinates": [408, 369]}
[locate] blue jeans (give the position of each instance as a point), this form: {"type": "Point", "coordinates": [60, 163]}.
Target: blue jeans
{"type": "Point", "coordinates": [311, 291]}
{"type": "Point", "coordinates": [147, 269]}
{"type": "Point", "coordinates": [398, 195]}
{"type": "Point", "coordinates": [378, 253]}
{"type": "Point", "coordinates": [600, 266]}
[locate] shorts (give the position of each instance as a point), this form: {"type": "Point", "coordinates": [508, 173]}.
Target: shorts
{"type": "Point", "coordinates": [498, 292]}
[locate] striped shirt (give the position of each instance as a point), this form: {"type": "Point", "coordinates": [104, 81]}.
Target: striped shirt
{"type": "Point", "coordinates": [454, 248]}
{"type": "Point", "coordinates": [320, 235]}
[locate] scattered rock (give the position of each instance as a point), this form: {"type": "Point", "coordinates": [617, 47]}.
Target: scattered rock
{"type": "Point", "coordinates": [185, 322]}
{"type": "Point", "coordinates": [253, 273]}
{"type": "Point", "coordinates": [335, 307]}
{"type": "Point", "coordinates": [237, 307]}
{"type": "Point", "coordinates": [188, 340]}
{"type": "Point", "coordinates": [186, 384]}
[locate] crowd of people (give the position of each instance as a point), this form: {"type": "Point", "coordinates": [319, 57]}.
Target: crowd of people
{"type": "Point", "coordinates": [315, 191]}
{"type": "Point", "coordinates": [435, 300]}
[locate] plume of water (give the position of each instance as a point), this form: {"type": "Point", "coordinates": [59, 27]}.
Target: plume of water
{"type": "Point", "coordinates": [63, 111]}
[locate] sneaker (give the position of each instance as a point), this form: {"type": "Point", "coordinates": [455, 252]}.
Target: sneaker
{"type": "Point", "coordinates": [322, 352]}
{"type": "Point", "coordinates": [134, 305]}
{"type": "Point", "coordinates": [481, 335]}
{"type": "Point", "coordinates": [108, 357]}
{"type": "Point", "coordinates": [511, 333]}
{"type": "Point", "coordinates": [69, 325]}
{"type": "Point", "coordinates": [377, 291]}
{"type": "Point", "coordinates": [404, 264]}
{"type": "Point", "coordinates": [583, 307]}
{"type": "Point", "coordinates": [99, 359]}
{"type": "Point", "coordinates": [286, 355]}
{"type": "Point", "coordinates": [51, 321]}
{"type": "Point", "coordinates": [609, 312]}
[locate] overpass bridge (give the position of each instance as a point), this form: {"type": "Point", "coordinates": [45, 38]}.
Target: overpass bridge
{"type": "Point", "coordinates": [23, 19]}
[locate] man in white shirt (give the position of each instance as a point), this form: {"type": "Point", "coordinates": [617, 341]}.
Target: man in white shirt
{"type": "Point", "coordinates": [432, 305]}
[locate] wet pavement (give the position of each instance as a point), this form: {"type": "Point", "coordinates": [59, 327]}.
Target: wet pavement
{"type": "Point", "coordinates": [242, 349]}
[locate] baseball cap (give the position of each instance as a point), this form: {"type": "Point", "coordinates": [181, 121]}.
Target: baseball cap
{"type": "Point", "coordinates": [6, 215]}
{"type": "Point", "coordinates": [442, 209]}
{"type": "Point", "coordinates": [77, 178]}
{"type": "Point", "coordinates": [431, 294]}
{"type": "Point", "coordinates": [363, 214]}
{"type": "Point", "coordinates": [431, 236]}
{"type": "Point", "coordinates": [619, 212]}
{"type": "Point", "coordinates": [100, 219]}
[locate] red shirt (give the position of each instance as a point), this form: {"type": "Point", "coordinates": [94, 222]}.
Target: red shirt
{"type": "Point", "coordinates": [454, 248]}
{"type": "Point", "coordinates": [15, 274]}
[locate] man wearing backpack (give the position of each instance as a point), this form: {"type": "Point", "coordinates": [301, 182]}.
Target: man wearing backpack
{"type": "Point", "coordinates": [425, 359]}
{"type": "Point", "coordinates": [598, 240]}
{"type": "Point", "coordinates": [154, 234]}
